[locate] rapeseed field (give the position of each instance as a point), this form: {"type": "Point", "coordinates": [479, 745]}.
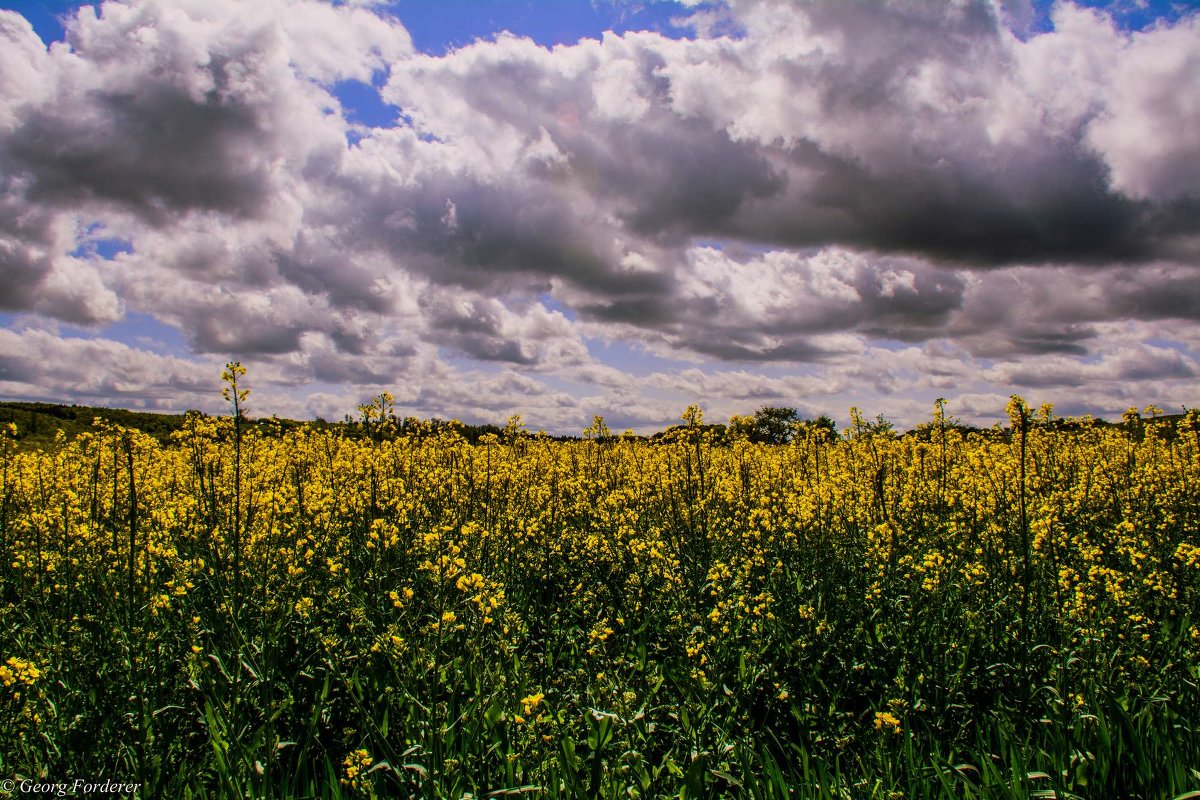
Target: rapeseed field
{"type": "Point", "coordinates": [251, 611]}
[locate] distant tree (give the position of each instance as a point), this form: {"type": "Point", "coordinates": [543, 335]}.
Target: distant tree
{"type": "Point", "coordinates": [775, 424]}
{"type": "Point", "coordinates": [823, 427]}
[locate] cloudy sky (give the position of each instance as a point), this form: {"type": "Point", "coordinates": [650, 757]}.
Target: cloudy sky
{"type": "Point", "coordinates": [573, 207]}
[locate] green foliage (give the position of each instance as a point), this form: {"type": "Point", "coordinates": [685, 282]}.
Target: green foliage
{"type": "Point", "coordinates": [39, 423]}
{"type": "Point", "coordinates": [775, 425]}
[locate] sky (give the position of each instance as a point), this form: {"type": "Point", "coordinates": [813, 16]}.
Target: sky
{"type": "Point", "coordinates": [569, 208]}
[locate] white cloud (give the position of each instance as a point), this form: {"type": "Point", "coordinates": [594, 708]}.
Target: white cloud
{"type": "Point", "coordinates": [1147, 131]}
{"type": "Point", "coordinates": [23, 68]}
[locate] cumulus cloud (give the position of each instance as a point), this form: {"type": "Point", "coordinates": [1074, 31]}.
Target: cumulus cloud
{"type": "Point", "coordinates": [161, 113]}
{"type": "Point", "coordinates": [925, 128]}
{"type": "Point", "coordinates": [1143, 132]}
{"type": "Point", "coordinates": [165, 108]}
{"type": "Point", "coordinates": [900, 196]}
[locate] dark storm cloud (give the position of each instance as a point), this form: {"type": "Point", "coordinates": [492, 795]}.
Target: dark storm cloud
{"type": "Point", "coordinates": [489, 330]}
{"type": "Point", "coordinates": [215, 335]}
{"type": "Point", "coordinates": [898, 141]}
{"type": "Point", "coordinates": [1163, 293]}
{"type": "Point", "coordinates": [653, 311]}
{"type": "Point", "coordinates": [147, 123]}
{"type": "Point", "coordinates": [154, 150]}
{"type": "Point", "coordinates": [1038, 310]}
{"type": "Point", "coordinates": [1069, 340]}
{"type": "Point", "coordinates": [706, 189]}
{"type": "Point", "coordinates": [479, 235]}
{"type": "Point", "coordinates": [26, 247]}
{"type": "Point", "coordinates": [319, 266]}
{"type": "Point", "coordinates": [476, 329]}
{"type": "Point", "coordinates": [518, 237]}
{"type": "Point", "coordinates": [734, 347]}
{"type": "Point", "coordinates": [676, 179]}
{"type": "Point", "coordinates": [160, 115]}
{"type": "Point", "coordinates": [36, 272]}
{"type": "Point", "coordinates": [955, 214]}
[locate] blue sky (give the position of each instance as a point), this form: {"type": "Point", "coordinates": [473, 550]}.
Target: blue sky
{"type": "Point", "coordinates": [622, 208]}
{"type": "Point", "coordinates": [439, 26]}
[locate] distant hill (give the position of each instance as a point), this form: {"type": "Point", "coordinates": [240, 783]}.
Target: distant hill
{"type": "Point", "coordinates": [38, 423]}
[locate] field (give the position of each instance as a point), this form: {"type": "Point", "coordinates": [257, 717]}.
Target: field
{"type": "Point", "coordinates": [249, 610]}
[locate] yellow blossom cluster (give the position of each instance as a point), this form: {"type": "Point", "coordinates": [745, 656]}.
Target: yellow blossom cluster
{"type": "Point", "coordinates": [18, 670]}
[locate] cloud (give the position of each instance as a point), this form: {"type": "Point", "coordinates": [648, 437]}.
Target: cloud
{"type": "Point", "coordinates": [1143, 133]}
{"type": "Point", "coordinates": [155, 114]}
{"type": "Point", "coordinates": [1139, 364]}
{"type": "Point", "coordinates": [487, 330]}
{"type": "Point", "coordinates": [41, 365]}
{"type": "Point", "coordinates": [891, 195]}
{"type": "Point", "coordinates": [23, 67]}
{"type": "Point", "coordinates": [1038, 309]}
{"type": "Point", "coordinates": [167, 108]}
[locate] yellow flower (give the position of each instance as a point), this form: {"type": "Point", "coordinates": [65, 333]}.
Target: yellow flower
{"type": "Point", "coordinates": [356, 762]}
{"type": "Point", "coordinates": [24, 671]}
{"type": "Point", "coordinates": [886, 719]}
{"type": "Point", "coordinates": [304, 607]}
{"type": "Point", "coordinates": [531, 702]}
{"type": "Point", "coordinates": [467, 583]}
